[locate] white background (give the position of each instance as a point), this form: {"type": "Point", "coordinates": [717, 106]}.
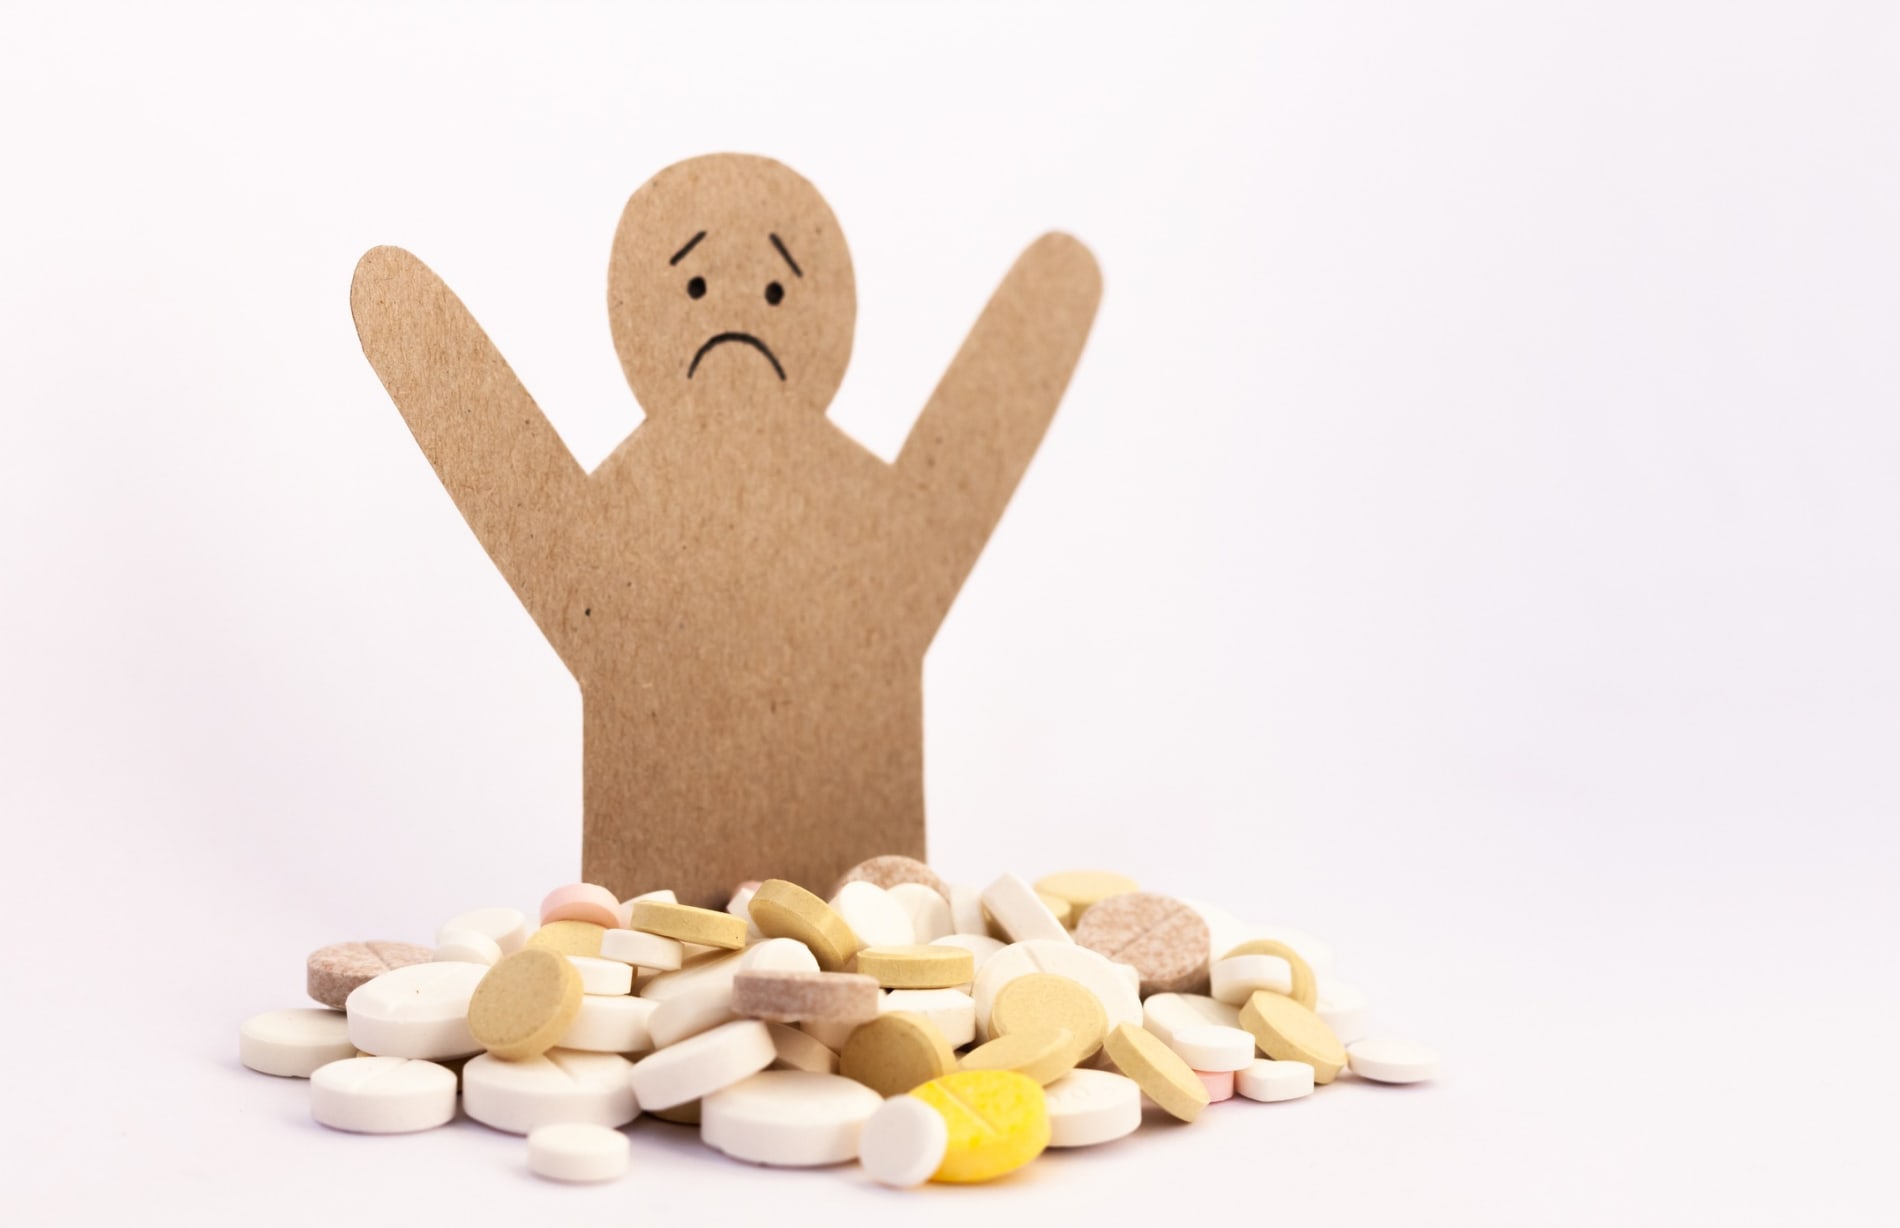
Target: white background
{"type": "Point", "coordinates": [1470, 536]}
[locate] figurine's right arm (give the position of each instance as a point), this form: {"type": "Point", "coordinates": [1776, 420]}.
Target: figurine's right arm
{"type": "Point", "coordinates": [514, 481]}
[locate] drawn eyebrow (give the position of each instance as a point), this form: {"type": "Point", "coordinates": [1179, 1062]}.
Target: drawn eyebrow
{"type": "Point", "coordinates": [690, 245]}
{"type": "Point", "coordinates": [781, 251]}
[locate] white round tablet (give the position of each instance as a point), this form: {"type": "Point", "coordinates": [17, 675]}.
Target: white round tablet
{"type": "Point", "coordinates": [700, 1065]}
{"type": "Point", "coordinates": [903, 1142]}
{"type": "Point", "coordinates": [778, 955]}
{"type": "Point", "coordinates": [952, 1010]}
{"type": "Point", "coordinates": [417, 1011]}
{"type": "Point", "coordinates": [1234, 980]}
{"type": "Point", "coordinates": [788, 1118]}
{"type": "Point", "coordinates": [294, 1043]}
{"type": "Point", "coordinates": [1163, 1013]}
{"type": "Point", "coordinates": [382, 1095]}
{"type": "Point", "coordinates": [575, 1151]}
{"type": "Point", "coordinates": [1087, 1107]}
{"type": "Point", "coordinates": [466, 947]}
{"type": "Point", "coordinates": [562, 1085]}
{"type": "Point", "coordinates": [1211, 1048]}
{"type": "Point", "coordinates": [1387, 1060]}
{"type": "Point", "coordinates": [1268, 1081]}
{"type": "Point", "coordinates": [929, 911]}
{"type": "Point", "coordinates": [507, 928]}
{"type": "Point", "coordinates": [642, 949]}
{"type": "Point", "coordinates": [877, 919]}
{"type": "Point", "coordinates": [1345, 1009]}
{"type": "Point", "coordinates": [610, 1025]}
{"type": "Point", "coordinates": [606, 977]}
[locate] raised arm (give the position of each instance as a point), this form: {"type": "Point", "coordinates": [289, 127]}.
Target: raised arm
{"type": "Point", "coordinates": [975, 437]}
{"type": "Point", "coordinates": [508, 472]}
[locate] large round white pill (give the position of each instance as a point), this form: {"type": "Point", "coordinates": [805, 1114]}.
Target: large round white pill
{"type": "Point", "coordinates": [382, 1095]}
{"type": "Point", "coordinates": [929, 911]}
{"type": "Point", "coordinates": [903, 1142]}
{"type": "Point", "coordinates": [1269, 1081]}
{"type": "Point", "coordinates": [1087, 1107]}
{"type": "Point", "coordinates": [294, 1043]}
{"type": "Point", "coordinates": [1345, 1009]}
{"type": "Point", "coordinates": [610, 1024]}
{"type": "Point", "coordinates": [701, 1065]}
{"type": "Point", "coordinates": [562, 1085]}
{"type": "Point", "coordinates": [788, 1118]}
{"type": "Point", "coordinates": [575, 1151]}
{"type": "Point", "coordinates": [1386, 1060]}
{"type": "Point", "coordinates": [1212, 1048]}
{"type": "Point", "coordinates": [417, 1011]}
{"type": "Point", "coordinates": [506, 927]}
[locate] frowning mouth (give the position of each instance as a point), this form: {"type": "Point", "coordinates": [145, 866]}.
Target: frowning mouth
{"type": "Point", "coordinates": [745, 338]}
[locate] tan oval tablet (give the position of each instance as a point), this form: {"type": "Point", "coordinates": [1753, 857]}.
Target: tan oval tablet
{"type": "Point", "coordinates": [332, 972]}
{"type": "Point", "coordinates": [786, 910]}
{"type": "Point", "coordinates": [1085, 888]}
{"type": "Point", "coordinates": [1289, 1032]}
{"type": "Point", "coordinates": [524, 1003]}
{"type": "Point", "coordinates": [1044, 1054]}
{"type": "Point", "coordinates": [1168, 1081]}
{"type": "Point", "coordinates": [896, 1052]}
{"type": "Point", "coordinates": [569, 937]}
{"type": "Point", "coordinates": [1164, 939]}
{"type": "Point", "coordinates": [892, 869]}
{"type": "Point", "coordinates": [684, 923]}
{"type": "Point", "coordinates": [796, 996]}
{"type": "Point", "coordinates": [1039, 1001]}
{"type": "Point", "coordinates": [918, 967]}
{"type": "Point", "coordinates": [1305, 987]}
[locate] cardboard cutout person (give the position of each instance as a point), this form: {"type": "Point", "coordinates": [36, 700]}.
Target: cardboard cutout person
{"type": "Point", "coordinates": [743, 593]}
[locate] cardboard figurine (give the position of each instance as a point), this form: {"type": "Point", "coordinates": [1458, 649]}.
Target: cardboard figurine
{"type": "Point", "coordinates": [743, 592]}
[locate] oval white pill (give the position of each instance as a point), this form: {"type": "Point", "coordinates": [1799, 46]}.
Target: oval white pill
{"type": "Point", "coordinates": [606, 977]}
{"type": "Point", "coordinates": [966, 911]}
{"type": "Point", "coordinates": [740, 906]}
{"type": "Point", "coordinates": [708, 970]}
{"type": "Point", "coordinates": [643, 950]}
{"type": "Point", "coordinates": [294, 1043]}
{"type": "Point", "coordinates": [788, 1118]}
{"type": "Point", "coordinates": [417, 1011]}
{"type": "Point", "coordinates": [877, 919]}
{"type": "Point", "coordinates": [929, 911]}
{"type": "Point", "coordinates": [801, 1051]}
{"type": "Point", "coordinates": [1087, 1107]}
{"type": "Point", "coordinates": [507, 928]}
{"type": "Point", "coordinates": [1213, 1049]}
{"type": "Point", "coordinates": [1163, 1013]}
{"type": "Point", "coordinates": [688, 1014]}
{"type": "Point", "coordinates": [703, 1064]}
{"type": "Point", "coordinates": [562, 1085]}
{"type": "Point", "coordinates": [610, 1025]}
{"type": "Point", "coordinates": [466, 947]}
{"type": "Point", "coordinates": [1234, 980]}
{"type": "Point", "coordinates": [1020, 912]}
{"type": "Point", "coordinates": [382, 1095]}
{"type": "Point", "coordinates": [952, 1010]}
{"type": "Point", "coordinates": [1387, 1060]}
{"type": "Point", "coordinates": [574, 1151]}
{"type": "Point", "coordinates": [903, 1142]}
{"type": "Point", "coordinates": [778, 955]}
{"type": "Point", "coordinates": [1345, 1009]}
{"type": "Point", "coordinates": [1269, 1081]}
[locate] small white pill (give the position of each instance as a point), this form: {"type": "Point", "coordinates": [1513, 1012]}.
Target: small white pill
{"type": "Point", "coordinates": [610, 1025]}
{"type": "Point", "coordinates": [694, 973]}
{"type": "Point", "coordinates": [507, 928]}
{"type": "Point", "coordinates": [1234, 980]}
{"type": "Point", "coordinates": [929, 911]}
{"type": "Point", "coordinates": [466, 947]}
{"type": "Point", "coordinates": [801, 1051]}
{"type": "Point", "coordinates": [1212, 1048]}
{"type": "Point", "coordinates": [966, 911]}
{"type": "Point", "coordinates": [701, 1008]}
{"type": "Point", "coordinates": [1387, 1060]}
{"type": "Point", "coordinates": [701, 1065]}
{"type": "Point", "coordinates": [778, 955]}
{"type": "Point", "coordinates": [294, 1043]}
{"type": "Point", "coordinates": [740, 906]}
{"type": "Point", "coordinates": [574, 1151]}
{"type": "Point", "coordinates": [1268, 1081]}
{"type": "Point", "coordinates": [417, 1011]}
{"type": "Point", "coordinates": [642, 950]}
{"type": "Point", "coordinates": [952, 1010]}
{"type": "Point", "coordinates": [904, 1141]}
{"type": "Point", "coordinates": [606, 977]}
{"type": "Point", "coordinates": [1345, 1009]}
{"type": "Point", "coordinates": [788, 1118]}
{"type": "Point", "coordinates": [1020, 912]}
{"type": "Point", "coordinates": [876, 918]}
{"type": "Point", "coordinates": [563, 1085]}
{"type": "Point", "coordinates": [1087, 1107]}
{"type": "Point", "coordinates": [1163, 1013]}
{"type": "Point", "coordinates": [382, 1095]}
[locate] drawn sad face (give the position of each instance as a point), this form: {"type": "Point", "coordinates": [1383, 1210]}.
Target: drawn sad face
{"type": "Point", "coordinates": [730, 290]}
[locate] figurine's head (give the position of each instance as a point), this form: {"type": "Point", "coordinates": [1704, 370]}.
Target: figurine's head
{"type": "Point", "coordinates": [731, 285]}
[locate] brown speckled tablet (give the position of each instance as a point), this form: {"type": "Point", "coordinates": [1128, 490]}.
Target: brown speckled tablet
{"type": "Point", "coordinates": [890, 870]}
{"type": "Point", "coordinates": [1164, 939]}
{"type": "Point", "coordinates": [794, 997]}
{"type": "Point", "coordinates": [333, 971]}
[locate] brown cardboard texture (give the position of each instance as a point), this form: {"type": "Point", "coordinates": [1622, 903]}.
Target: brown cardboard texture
{"type": "Point", "coordinates": [743, 592]}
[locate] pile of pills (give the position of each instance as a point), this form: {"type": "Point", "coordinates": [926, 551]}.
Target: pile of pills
{"type": "Point", "coordinates": [929, 1032]}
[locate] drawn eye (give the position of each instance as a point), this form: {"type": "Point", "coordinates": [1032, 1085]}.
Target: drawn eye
{"type": "Point", "coordinates": [696, 288]}
{"type": "Point", "coordinates": [774, 294]}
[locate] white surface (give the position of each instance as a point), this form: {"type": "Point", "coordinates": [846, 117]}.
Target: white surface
{"type": "Point", "coordinates": [561, 1085]}
{"type": "Point", "coordinates": [575, 1151]}
{"type": "Point", "coordinates": [702, 1064]}
{"type": "Point", "coordinates": [1088, 1107]}
{"type": "Point", "coordinates": [293, 1043]}
{"type": "Point", "coordinates": [382, 1095]}
{"type": "Point", "coordinates": [788, 1118]}
{"type": "Point", "coordinates": [416, 1011]}
{"type": "Point", "coordinates": [1269, 1081]}
{"type": "Point", "coordinates": [903, 1142]}
{"type": "Point", "coordinates": [1474, 515]}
